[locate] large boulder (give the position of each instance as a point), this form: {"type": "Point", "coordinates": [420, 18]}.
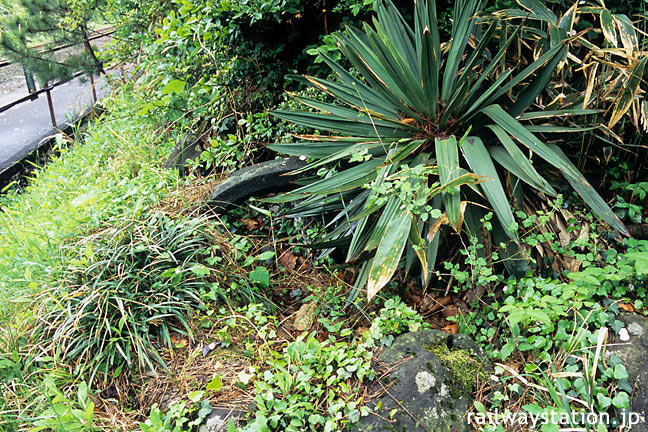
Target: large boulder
{"type": "Point", "coordinates": [431, 388]}
{"type": "Point", "coordinates": [634, 354]}
{"type": "Point", "coordinates": [219, 418]}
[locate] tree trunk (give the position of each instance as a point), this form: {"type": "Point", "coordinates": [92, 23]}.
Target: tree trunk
{"type": "Point", "coordinates": [86, 43]}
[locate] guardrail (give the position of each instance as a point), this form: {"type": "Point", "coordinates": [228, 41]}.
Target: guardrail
{"type": "Point", "coordinates": [33, 93]}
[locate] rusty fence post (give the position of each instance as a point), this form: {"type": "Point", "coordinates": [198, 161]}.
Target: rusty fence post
{"type": "Point", "coordinates": [94, 91]}
{"type": "Point", "coordinates": [51, 105]}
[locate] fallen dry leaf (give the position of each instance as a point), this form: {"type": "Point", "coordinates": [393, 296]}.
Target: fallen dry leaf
{"type": "Point", "coordinates": [452, 328]}
{"type": "Point", "coordinates": [251, 224]}
{"type": "Point", "coordinates": [430, 304]}
{"type": "Point", "coordinates": [305, 316]}
{"type": "Point", "coordinates": [450, 310]}
{"type": "Point", "coordinates": [179, 341]}
{"type": "Point", "coordinates": [288, 261]}
{"type": "Point", "coordinates": [626, 307]}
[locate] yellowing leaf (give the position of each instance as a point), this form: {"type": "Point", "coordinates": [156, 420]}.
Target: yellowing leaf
{"type": "Point", "coordinates": [389, 253]}
{"type": "Point", "coordinates": [629, 93]}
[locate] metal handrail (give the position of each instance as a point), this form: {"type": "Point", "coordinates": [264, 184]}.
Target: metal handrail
{"type": "Point", "coordinates": [99, 35]}
{"type": "Point", "coordinates": [34, 94]}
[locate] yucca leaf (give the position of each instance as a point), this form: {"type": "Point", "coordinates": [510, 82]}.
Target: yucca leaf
{"type": "Point", "coordinates": [389, 253]}
{"type": "Point", "coordinates": [557, 129]}
{"type": "Point", "coordinates": [357, 245]}
{"type": "Point", "coordinates": [589, 195]}
{"type": "Point", "coordinates": [481, 164]}
{"type": "Point", "coordinates": [461, 30]}
{"type": "Point", "coordinates": [532, 115]}
{"type": "Point", "coordinates": [448, 161]}
{"type": "Point", "coordinates": [357, 116]}
{"type": "Point", "coordinates": [348, 179]}
{"type": "Point", "coordinates": [356, 94]}
{"type": "Point", "coordinates": [391, 210]}
{"type": "Point", "coordinates": [520, 170]}
{"type": "Point", "coordinates": [309, 149]}
{"type": "Point", "coordinates": [419, 248]}
{"type": "Point", "coordinates": [557, 50]}
{"type": "Point", "coordinates": [558, 160]}
{"type": "Point", "coordinates": [531, 91]}
{"type": "Point", "coordinates": [344, 126]}
{"type": "Point", "coordinates": [429, 53]}
{"type": "Point", "coordinates": [476, 87]}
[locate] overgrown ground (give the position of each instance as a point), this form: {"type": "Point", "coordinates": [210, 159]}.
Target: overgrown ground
{"type": "Point", "coordinates": [127, 304]}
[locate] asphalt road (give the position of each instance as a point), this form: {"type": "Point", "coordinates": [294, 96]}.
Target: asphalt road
{"type": "Point", "coordinates": [24, 127]}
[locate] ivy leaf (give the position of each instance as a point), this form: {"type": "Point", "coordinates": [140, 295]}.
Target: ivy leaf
{"type": "Point", "coordinates": [621, 400]}
{"type": "Point", "coordinates": [215, 384]}
{"type": "Point", "coordinates": [199, 270]}
{"type": "Point", "coordinates": [261, 276]}
{"type": "Point", "coordinates": [174, 86]}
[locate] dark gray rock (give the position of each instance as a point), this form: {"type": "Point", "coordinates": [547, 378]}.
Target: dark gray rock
{"type": "Point", "coordinates": [188, 147]}
{"type": "Point", "coordinates": [255, 181]}
{"type": "Point", "coordinates": [634, 355]}
{"type": "Point", "coordinates": [218, 419]}
{"type": "Point", "coordinates": [430, 392]}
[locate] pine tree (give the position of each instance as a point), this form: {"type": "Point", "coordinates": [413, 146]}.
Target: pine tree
{"type": "Point", "coordinates": [59, 22]}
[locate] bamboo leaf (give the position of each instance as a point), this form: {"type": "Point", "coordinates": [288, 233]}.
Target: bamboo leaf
{"type": "Point", "coordinates": [624, 102]}
{"type": "Point", "coordinates": [607, 24]}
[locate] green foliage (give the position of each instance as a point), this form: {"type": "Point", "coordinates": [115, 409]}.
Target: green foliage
{"type": "Point", "coordinates": [409, 119]}
{"type": "Point", "coordinates": [181, 417]}
{"type": "Point", "coordinates": [65, 414]}
{"type": "Point", "coordinates": [315, 385]}
{"type": "Point", "coordinates": [125, 287]}
{"type": "Point", "coordinates": [106, 174]}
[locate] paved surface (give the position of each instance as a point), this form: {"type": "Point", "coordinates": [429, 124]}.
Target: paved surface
{"type": "Point", "coordinates": [25, 126]}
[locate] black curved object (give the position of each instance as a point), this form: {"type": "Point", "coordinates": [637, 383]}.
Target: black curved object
{"type": "Point", "coordinates": [254, 181]}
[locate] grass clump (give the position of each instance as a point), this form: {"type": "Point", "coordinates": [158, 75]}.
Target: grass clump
{"type": "Point", "coordinates": [126, 290]}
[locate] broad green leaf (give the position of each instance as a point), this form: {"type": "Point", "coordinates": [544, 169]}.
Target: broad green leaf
{"type": "Point", "coordinates": [511, 157]}
{"type": "Point", "coordinates": [388, 254]}
{"type": "Point", "coordinates": [174, 86]}
{"type": "Point", "coordinates": [448, 160]}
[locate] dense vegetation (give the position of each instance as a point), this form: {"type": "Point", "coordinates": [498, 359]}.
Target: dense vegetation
{"type": "Point", "coordinates": [454, 182]}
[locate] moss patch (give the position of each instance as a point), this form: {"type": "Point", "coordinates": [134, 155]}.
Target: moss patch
{"type": "Point", "coordinates": [465, 369]}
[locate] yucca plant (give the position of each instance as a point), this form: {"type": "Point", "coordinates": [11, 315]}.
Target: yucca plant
{"type": "Point", "coordinates": [416, 124]}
